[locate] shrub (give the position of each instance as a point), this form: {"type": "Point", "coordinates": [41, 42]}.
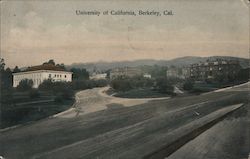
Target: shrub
{"type": "Point", "coordinates": [25, 85]}
{"type": "Point", "coordinates": [79, 85]}
{"type": "Point", "coordinates": [46, 85]}
{"type": "Point", "coordinates": [188, 85]}
{"type": "Point", "coordinates": [121, 85]}
{"type": "Point", "coordinates": [101, 83]}
{"type": "Point", "coordinates": [164, 86]}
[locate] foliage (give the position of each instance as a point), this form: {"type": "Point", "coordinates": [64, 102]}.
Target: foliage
{"type": "Point", "coordinates": [63, 89]}
{"type": "Point", "coordinates": [125, 84]}
{"type": "Point", "coordinates": [2, 64]}
{"type": "Point", "coordinates": [121, 84]}
{"type": "Point", "coordinates": [46, 85]}
{"type": "Point", "coordinates": [6, 78]}
{"type": "Point", "coordinates": [6, 96]}
{"type": "Point", "coordinates": [79, 74]}
{"type": "Point", "coordinates": [155, 71]}
{"type": "Point", "coordinates": [51, 61]}
{"type": "Point", "coordinates": [16, 69]}
{"type": "Point", "coordinates": [244, 74]}
{"type": "Point", "coordinates": [164, 86]}
{"type": "Point", "coordinates": [188, 85]}
{"type": "Point", "coordinates": [61, 66]}
{"type": "Point", "coordinates": [140, 93]}
{"type": "Point", "coordinates": [25, 85]}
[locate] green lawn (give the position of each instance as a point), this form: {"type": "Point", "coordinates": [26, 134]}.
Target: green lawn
{"type": "Point", "coordinates": [140, 93]}
{"type": "Point", "coordinates": [22, 109]}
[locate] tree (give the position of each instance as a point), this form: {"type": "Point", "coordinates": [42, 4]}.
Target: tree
{"type": "Point", "coordinates": [188, 85]}
{"type": "Point", "coordinates": [164, 86]}
{"type": "Point", "coordinates": [6, 78]}
{"type": "Point", "coordinates": [61, 66]}
{"type": "Point", "coordinates": [2, 64]}
{"type": "Point", "coordinates": [25, 85]}
{"type": "Point", "coordinates": [51, 61]}
{"type": "Point", "coordinates": [46, 85]}
{"type": "Point", "coordinates": [121, 85]}
{"type": "Point", "coordinates": [157, 71]}
{"type": "Point", "coordinates": [80, 74]}
{"type": "Point", "coordinates": [16, 69]}
{"type": "Point", "coordinates": [244, 74]}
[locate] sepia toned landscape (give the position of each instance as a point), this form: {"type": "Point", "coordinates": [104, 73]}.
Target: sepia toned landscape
{"type": "Point", "coordinates": [89, 80]}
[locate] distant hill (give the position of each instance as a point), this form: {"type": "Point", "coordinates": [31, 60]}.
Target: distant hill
{"type": "Point", "coordinates": [182, 61]}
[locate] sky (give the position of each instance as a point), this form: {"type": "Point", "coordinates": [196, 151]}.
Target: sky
{"type": "Point", "coordinates": [35, 31]}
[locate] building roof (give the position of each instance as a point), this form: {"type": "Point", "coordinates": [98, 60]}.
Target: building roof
{"type": "Point", "coordinates": [216, 62]}
{"type": "Point", "coordinates": [38, 71]}
{"type": "Point", "coordinates": [45, 67]}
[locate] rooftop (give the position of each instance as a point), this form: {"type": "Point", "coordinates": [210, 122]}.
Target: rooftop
{"type": "Point", "coordinates": [45, 67]}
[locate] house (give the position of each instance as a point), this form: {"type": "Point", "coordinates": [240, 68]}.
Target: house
{"type": "Point", "coordinates": [98, 76]}
{"type": "Point", "coordinates": [177, 72]}
{"type": "Point", "coordinates": [218, 70]}
{"type": "Point", "coordinates": [146, 75]}
{"type": "Point", "coordinates": [125, 72]}
{"type": "Point", "coordinates": [40, 73]}
{"type": "Point", "coordinates": [173, 72]}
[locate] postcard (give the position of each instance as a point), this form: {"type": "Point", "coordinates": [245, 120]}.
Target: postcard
{"type": "Point", "coordinates": [108, 79]}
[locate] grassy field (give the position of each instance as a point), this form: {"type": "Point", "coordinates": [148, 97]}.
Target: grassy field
{"type": "Point", "coordinates": [22, 108]}
{"type": "Point", "coordinates": [205, 87]}
{"type": "Point", "coordinates": [139, 93]}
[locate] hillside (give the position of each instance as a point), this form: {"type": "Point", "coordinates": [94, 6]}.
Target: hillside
{"type": "Point", "coordinates": [182, 61]}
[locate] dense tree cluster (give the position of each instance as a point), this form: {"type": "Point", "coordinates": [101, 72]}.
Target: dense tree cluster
{"type": "Point", "coordinates": [160, 84]}
{"type": "Point", "coordinates": [25, 85]}
{"type": "Point", "coordinates": [5, 76]}
{"type": "Point", "coordinates": [188, 85]}
{"type": "Point", "coordinates": [52, 62]}
{"type": "Point", "coordinates": [163, 85]}
{"type": "Point", "coordinates": [79, 74]}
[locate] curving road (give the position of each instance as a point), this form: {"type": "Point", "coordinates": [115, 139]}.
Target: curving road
{"type": "Point", "coordinates": [92, 100]}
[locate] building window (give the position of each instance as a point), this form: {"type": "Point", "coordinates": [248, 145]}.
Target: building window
{"type": "Point", "coordinates": [65, 76]}
{"type": "Point", "coordinates": [60, 76]}
{"type": "Point", "coordinates": [49, 75]}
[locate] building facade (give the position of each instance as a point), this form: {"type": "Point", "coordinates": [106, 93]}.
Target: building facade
{"type": "Point", "coordinates": [98, 76]}
{"type": "Point", "coordinates": [146, 75]}
{"type": "Point", "coordinates": [219, 70]}
{"type": "Point", "coordinates": [177, 72]}
{"type": "Point", "coordinates": [38, 74]}
{"type": "Point", "coordinates": [125, 72]}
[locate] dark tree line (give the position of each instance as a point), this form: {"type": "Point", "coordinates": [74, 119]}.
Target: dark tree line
{"type": "Point", "coordinates": [161, 84]}
{"type": "Point", "coordinates": [79, 74]}
{"type": "Point", "coordinates": [52, 62]}
{"type": "Point", "coordinates": [5, 76]}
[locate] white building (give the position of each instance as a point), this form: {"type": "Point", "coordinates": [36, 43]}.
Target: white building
{"type": "Point", "coordinates": [38, 74]}
{"type": "Point", "coordinates": [98, 76]}
{"type": "Point", "coordinates": [146, 75]}
{"type": "Point", "coordinates": [125, 72]}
